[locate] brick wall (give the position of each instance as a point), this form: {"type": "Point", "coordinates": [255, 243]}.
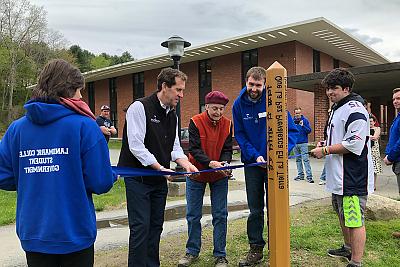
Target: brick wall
{"type": "Point", "coordinates": [190, 100]}
{"type": "Point", "coordinates": [125, 98]}
{"type": "Point", "coordinates": [326, 62]}
{"type": "Point", "coordinates": [101, 95]}
{"type": "Point", "coordinates": [284, 53]}
{"type": "Point", "coordinates": [226, 77]}
{"type": "Point", "coordinates": [304, 99]}
{"type": "Point", "coordinates": [304, 55]}
{"type": "Point", "coordinates": [150, 81]}
{"type": "Point", "coordinates": [320, 111]}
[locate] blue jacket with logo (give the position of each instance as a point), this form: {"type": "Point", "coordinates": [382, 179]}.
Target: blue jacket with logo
{"type": "Point", "coordinates": [55, 159]}
{"type": "Point", "coordinates": [249, 121]}
{"type": "Point", "coordinates": [393, 146]}
{"type": "Point", "coordinates": [304, 130]}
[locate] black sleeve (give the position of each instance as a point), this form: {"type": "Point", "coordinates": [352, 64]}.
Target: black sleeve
{"type": "Point", "coordinates": [195, 145]}
{"type": "Point", "coordinates": [99, 121]}
{"type": "Point", "coordinates": [226, 153]}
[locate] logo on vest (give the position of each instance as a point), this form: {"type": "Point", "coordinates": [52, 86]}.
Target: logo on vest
{"type": "Point", "coordinates": [248, 117]}
{"type": "Point", "coordinates": [154, 119]}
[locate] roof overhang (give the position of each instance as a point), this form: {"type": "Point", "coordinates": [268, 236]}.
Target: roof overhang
{"type": "Point", "coordinates": [319, 33]}
{"type": "Point", "coordinates": [375, 80]}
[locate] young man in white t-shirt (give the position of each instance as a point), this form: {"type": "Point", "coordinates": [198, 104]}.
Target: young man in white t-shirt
{"type": "Point", "coordinates": [349, 169]}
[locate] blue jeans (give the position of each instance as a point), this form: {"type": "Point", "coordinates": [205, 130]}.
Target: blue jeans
{"type": "Point", "coordinates": [256, 189]}
{"type": "Point", "coordinates": [219, 211]}
{"type": "Point", "coordinates": [145, 204]}
{"type": "Point", "coordinates": [323, 174]}
{"type": "Point", "coordinates": [302, 149]}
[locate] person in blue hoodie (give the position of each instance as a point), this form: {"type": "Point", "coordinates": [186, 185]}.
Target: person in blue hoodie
{"type": "Point", "coordinates": [249, 120]}
{"type": "Point", "coordinates": [301, 148]}
{"type": "Point", "coordinates": [56, 157]}
{"type": "Point", "coordinates": [393, 147]}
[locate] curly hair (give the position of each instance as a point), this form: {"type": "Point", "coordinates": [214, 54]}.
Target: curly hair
{"type": "Point", "coordinates": [58, 79]}
{"type": "Point", "coordinates": [339, 76]}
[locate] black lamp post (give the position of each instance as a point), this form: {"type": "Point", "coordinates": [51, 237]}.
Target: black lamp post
{"type": "Point", "coordinates": [176, 46]}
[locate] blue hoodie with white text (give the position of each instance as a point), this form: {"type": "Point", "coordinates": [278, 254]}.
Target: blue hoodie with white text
{"type": "Point", "coordinates": [55, 159]}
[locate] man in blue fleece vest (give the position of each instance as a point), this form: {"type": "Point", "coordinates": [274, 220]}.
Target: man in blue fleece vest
{"type": "Point", "coordinates": [249, 119]}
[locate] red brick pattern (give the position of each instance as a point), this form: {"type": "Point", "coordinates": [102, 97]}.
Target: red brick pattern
{"type": "Point", "coordinates": [320, 111]}
{"type": "Point", "coordinates": [101, 95]}
{"type": "Point", "coordinates": [125, 97]}
{"type": "Point", "coordinates": [190, 100]}
{"type": "Point", "coordinates": [326, 62]}
{"type": "Point", "coordinates": [304, 56]}
{"type": "Point", "coordinates": [227, 77]}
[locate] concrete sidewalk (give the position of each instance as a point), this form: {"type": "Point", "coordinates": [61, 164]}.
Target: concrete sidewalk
{"type": "Point", "coordinates": [117, 235]}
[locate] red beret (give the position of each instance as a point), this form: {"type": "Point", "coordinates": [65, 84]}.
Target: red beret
{"type": "Point", "coordinates": [216, 97]}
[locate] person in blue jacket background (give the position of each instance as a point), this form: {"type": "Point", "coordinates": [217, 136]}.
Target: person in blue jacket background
{"type": "Point", "coordinates": [249, 120]}
{"type": "Point", "coordinates": [301, 148]}
{"type": "Point", "coordinates": [56, 157]}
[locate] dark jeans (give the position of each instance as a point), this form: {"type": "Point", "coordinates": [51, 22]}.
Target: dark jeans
{"type": "Point", "coordinates": [194, 198]}
{"type": "Point", "coordinates": [256, 189]}
{"type": "Point", "coordinates": [396, 170]}
{"type": "Point", "coordinates": [82, 258]}
{"type": "Point", "coordinates": [146, 204]}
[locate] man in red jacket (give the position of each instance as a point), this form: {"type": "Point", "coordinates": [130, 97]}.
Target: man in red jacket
{"type": "Point", "coordinates": [210, 146]}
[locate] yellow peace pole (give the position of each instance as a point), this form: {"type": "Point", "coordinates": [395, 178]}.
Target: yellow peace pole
{"type": "Point", "coordinates": [278, 183]}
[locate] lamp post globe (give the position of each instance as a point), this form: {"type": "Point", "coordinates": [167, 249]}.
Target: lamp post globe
{"type": "Point", "coordinates": [176, 48]}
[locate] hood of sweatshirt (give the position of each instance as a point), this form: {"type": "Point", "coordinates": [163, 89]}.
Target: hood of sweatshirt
{"type": "Point", "coordinates": [43, 113]}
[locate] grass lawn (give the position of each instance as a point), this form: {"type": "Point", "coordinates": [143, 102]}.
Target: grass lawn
{"type": "Point", "coordinates": [314, 229]}
{"type": "Point", "coordinates": [115, 144]}
{"type": "Point", "coordinates": [7, 204]}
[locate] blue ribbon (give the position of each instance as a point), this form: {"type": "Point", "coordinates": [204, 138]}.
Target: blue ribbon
{"type": "Point", "coordinates": [132, 172]}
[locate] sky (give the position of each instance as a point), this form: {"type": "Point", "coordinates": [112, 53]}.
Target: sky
{"type": "Point", "coordinates": [115, 26]}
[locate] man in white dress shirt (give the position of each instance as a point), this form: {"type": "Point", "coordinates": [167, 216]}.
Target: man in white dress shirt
{"type": "Point", "coordinates": [150, 141]}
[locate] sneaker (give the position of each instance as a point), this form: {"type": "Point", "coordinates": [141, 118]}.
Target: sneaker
{"type": "Point", "coordinates": [221, 262]}
{"type": "Point", "coordinates": [253, 257]}
{"type": "Point", "coordinates": [299, 178]}
{"type": "Point", "coordinates": [322, 182]}
{"type": "Point", "coordinates": [311, 181]}
{"type": "Point", "coordinates": [187, 260]}
{"type": "Point", "coordinates": [396, 234]}
{"type": "Point", "coordinates": [340, 253]}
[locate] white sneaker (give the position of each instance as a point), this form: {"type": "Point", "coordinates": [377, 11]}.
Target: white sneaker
{"type": "Point", "coordinates": [321, 182]}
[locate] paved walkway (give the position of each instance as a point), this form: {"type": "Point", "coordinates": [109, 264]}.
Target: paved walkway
{"type": "Point", "coordinates": [11, 253]}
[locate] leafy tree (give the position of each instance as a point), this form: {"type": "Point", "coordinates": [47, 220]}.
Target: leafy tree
{"type": "Point", "coordinates": [99, 62]}
{"type": "Point", "coordinates": [83, 57]}
{"type": "Point", "coordinates": [21, 23]}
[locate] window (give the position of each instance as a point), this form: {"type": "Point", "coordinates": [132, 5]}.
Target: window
{"type": "Point", "coordinates": [249, 60]}
{"type": "Point", "coordinates": [91, 97]}
{"type": "Point", "coordinates": [138, 85]}
{"type": "Point", "coordinates": [113, 101]}
{"type": "Point", "coordinates": [316, 61]}
{"type": "Point", "coordinates": [204, 81]}
{"type": "Point", "coordinates": [335, 63]}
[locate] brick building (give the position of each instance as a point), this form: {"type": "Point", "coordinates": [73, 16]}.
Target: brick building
{"type": "Point", "coordinates": [303, 48]}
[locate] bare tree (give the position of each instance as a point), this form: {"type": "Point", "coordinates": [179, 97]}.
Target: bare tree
{"type": "Point", "coordinates": [21, 24]}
